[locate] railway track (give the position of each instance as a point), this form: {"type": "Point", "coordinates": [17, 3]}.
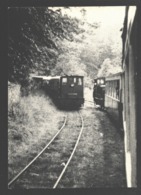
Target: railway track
{"type": "Point", "coordinates": [94, 105]}
{"type": "Point", "coordinates": [49, 166]}
{"type": "Point", "coordinates": [89, 101]}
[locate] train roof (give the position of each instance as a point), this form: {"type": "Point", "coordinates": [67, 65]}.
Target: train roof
{"type": "Point", "coordinates": [46, 77]}
{"type": "Point", "coordinates": [72, 76]}
{"type": "Point", "coordinates": [37, 77]}
{"type": "Point", "coordinates": [53, 77]}
{"type": "Point", "coordinates": [58, 77]}
{"type": "Point", "coordinates": [50, 77]}
{"type": "Point", "coordinates": [114, 76]}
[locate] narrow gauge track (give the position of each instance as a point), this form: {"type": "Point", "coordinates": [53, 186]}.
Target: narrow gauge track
{"type": "Point", "coordinates": [49, 167]}
{"type": "Point", "coordinates": [36, 157]}
{"type": "Point", "coordinates": [93, 103]}
{"type": "Point", "coordinates": [89, 101]}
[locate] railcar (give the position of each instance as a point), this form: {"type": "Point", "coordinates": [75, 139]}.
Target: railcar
{"type": "Point", "coordinates": [122, 94]}
{"type": "Point", "coordinates": [65, 90]}
{"type": "Point", "coordinates": [113, 98]}
{"type": "Point", "coordinates": [99, 91]}
{"type": "Point", "coordinates": [131, 62]}
{"type": "Point", "coordinates": [52, 85]}
{"type": "Point", "coordinates": [37, 83]}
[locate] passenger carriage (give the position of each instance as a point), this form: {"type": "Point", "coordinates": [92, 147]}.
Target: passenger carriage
{"type": "Point", "coordinates": [131, 63]}
{"type": "Point", "coordinates": [113, 98]}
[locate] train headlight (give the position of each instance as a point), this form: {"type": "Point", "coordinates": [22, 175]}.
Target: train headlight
{"type": "Point", "coordinates": [72, 85]}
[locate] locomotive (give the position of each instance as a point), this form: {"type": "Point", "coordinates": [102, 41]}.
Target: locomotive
{"type": "Point", "coordinates": [99, 91]}
{"type": "Point", "coordinates": [107, 94]}
{"type": "Point", "coordinates": [121, 98]}
{"type": "Point", "coordinates": [65, 91]}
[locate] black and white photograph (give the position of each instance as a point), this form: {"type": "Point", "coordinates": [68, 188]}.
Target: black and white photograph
{"type": "Point", "coordinates": [73, 100]}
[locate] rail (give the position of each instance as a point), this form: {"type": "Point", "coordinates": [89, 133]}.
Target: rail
{"type": "Point", "coordinates": [31, 162]}
{"type": "Point", "coordinates": [63, 171]}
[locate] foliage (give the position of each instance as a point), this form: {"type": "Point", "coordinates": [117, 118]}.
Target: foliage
{"type": "Point", "coordinates": [109, 67]}
{"type": "Point", "coordinates": [90, 54]}
{"type": "Point", "coordinates": [45, 41]}
{"type": "Point", "coordinates": [34, 41]}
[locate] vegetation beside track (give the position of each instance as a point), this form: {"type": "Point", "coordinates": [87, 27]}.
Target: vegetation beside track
{"type": "Point", "coordinates": [32, 121]}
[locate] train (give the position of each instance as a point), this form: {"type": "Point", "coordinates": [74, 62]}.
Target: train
{"type": "Point", "coordinates": [66, 91]}
{"type": "Point", "coordinates": [107, 93]}
{"type": "Point", "coordinates": [99, 91]}
{"type": "Point", "coordinates": [122, 94]}
{"type": "Point", "coordinates": [114, 98]}
{"type": "Point", "coordinates": [131, 113]}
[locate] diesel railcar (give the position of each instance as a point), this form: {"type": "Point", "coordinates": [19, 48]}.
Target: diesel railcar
{"type": "Point", "coordinates": [66, 91]}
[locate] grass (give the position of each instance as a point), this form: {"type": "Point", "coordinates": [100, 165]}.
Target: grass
{"type": "Point", "coordinates": [99, 159]}
{"type": "Point", "coordinates": [32, 121]}
{"type": "Point", "coordinates": [50, 164]}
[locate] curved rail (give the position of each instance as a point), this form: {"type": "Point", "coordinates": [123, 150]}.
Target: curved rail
{"type": "Point", "coordinates": [63, 171]}
{"type": "Point", "coordinates": [23, 170]}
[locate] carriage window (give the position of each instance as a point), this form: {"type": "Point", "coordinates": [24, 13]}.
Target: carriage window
{"type": "Point", "coordinates": [114, 95]}
{"type": "Point", "coordinates": [64, 80]}
{"type": "Point", "coordinates": [117, 90]}
{"type": "Point", "coordinates": [113, 89]}
{"type": "Point", "coordinates": [79, 81]}
{"type": "Point", "coordinates": [108, 88]}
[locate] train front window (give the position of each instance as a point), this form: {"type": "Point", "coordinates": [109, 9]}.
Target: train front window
{"type": "Point", "coordinates": [79, 81]}
{"type": "Point", "coordinates": [64, 80]}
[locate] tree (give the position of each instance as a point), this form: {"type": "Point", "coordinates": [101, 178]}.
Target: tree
{"type": "Point", "coordinates": [109, 67]}
{"type": "Point", "coordinates": [34, 37]}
